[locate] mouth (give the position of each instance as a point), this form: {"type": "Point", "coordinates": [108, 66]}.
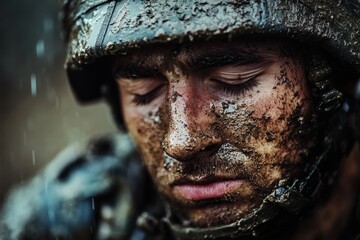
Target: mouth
{"type": "Point", "coordinates": [199, 191]}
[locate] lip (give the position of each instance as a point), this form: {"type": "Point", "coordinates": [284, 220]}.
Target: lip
{"type": "Point", "coordinates": [197, 191]}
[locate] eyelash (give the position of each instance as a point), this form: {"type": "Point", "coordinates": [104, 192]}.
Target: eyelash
{"type": "Point", "coordinates": [145, 99]}
{"type": "Point", "coordinates": [237, 89]}
{"type": "Point", "coordinates": [234, 90]}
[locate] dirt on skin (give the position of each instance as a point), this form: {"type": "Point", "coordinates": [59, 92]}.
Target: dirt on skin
{"type": "Point", "coordinates": [258, 137]}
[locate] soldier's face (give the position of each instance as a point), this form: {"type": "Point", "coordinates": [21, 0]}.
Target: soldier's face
{"type": "Point", "coordinates": [218, 123]}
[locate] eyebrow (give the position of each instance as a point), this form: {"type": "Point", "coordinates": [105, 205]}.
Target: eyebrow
{"type": "Point", "coordinates": [223, 58]}
{"type": "Point", "coordinates": [134, 71]}
{"type": "Point", "coordinates": [198, 62]}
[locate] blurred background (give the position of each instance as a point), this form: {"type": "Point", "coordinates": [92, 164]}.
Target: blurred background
{"type": "Point", "coordinates": [38, 113]}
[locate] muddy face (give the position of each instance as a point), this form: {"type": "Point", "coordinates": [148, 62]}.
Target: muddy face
{"type": "Point", "coordinates": [219, 123]}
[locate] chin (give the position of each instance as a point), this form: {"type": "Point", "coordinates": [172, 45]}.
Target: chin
{"type": "Point", "coordinates": [214, 214]}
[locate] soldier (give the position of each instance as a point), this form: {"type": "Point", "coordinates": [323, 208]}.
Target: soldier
{"type": "Point", "coordinates": [245, 115]}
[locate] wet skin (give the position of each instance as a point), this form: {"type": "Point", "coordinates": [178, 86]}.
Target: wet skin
{"type": "Point", "coordinates": [218, 123]}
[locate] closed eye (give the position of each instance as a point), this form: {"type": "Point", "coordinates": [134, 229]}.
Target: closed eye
{"type": "Point", "coordinates": [236, 89]}
{"type": "Point", "coordinates": [236, 77]}
{"type": "Point", "coordinates": [234, 80]}
{"type": "Point", "coordinates": [144, 99]}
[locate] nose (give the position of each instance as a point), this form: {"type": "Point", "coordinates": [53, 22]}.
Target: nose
{"type": "Point", "coordinates": [191, 129]}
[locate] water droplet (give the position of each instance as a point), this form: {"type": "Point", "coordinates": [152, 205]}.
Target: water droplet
{"type": "Point", "coordinates": [33, 157]}
{"type": "Point", "coordinates": [93, 203]}
{"type": "Point", "coordinates": [33, 85]}
{"type": "Point", "coordinates": [346, 107]}
{"type": "Point", "coordinates": [45, 184]}
{"type": "Point", "coordinates": [40, 48]}
{"type": "Point", "coordinates": [357, 90]}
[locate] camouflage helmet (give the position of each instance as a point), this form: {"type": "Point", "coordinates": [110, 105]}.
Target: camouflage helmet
{"type": "Point", "coordinates": [98, 28]}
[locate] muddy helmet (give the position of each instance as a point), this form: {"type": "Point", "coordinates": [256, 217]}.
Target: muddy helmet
{"type": "Point", "coordinates": [97, 29]}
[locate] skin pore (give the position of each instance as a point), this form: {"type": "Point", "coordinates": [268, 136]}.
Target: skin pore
{"type": "Point", "coordinates": [218, 123]}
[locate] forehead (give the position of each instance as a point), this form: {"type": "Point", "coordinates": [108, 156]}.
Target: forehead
{"type": "Point", "coordinates": [185, 53]}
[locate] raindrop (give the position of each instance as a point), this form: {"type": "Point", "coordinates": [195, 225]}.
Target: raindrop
{"type": "Point", "coordinates": [33, 85]}
{"type": "Point", "coordinates": [93, 203]}
{"type": "Point", "coordinates": [357, 90]}
{"type": "Point", "coordinates": [33, 157]}
{"type": "Point", "coordinates": [40, 48]}
{"type": "Point", "coordinates": [106, 213]}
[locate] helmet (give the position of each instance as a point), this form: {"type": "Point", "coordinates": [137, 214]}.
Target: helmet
{"type": "Point", "coordinates": [97, 29]}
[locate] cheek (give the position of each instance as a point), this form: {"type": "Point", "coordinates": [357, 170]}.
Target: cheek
{"type": "Point", "coordinates": [287, 92]}
{"type": "Point", "coordinates": [142, 123]}
{"type": "Point", "coordinates": [146, 134]}
{"type": "Point", "coordinates": [147, 130]}
{"type": "Point", "coordinates": [147, 138]}
{"type": "Point", "coordinates": [263, 127]}
{"type": "Point", "coordinates": [288, 99]}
